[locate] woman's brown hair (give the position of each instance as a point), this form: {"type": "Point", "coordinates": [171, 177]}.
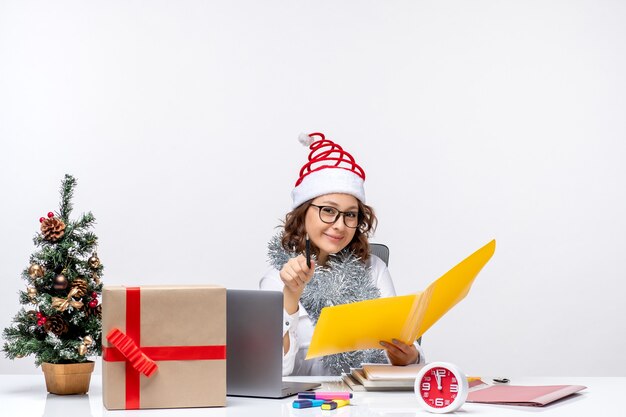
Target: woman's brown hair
{"type": "Point", "coordinates": [294, 235]}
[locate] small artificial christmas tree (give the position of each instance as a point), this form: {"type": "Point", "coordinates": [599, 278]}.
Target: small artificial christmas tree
{"type": "Point", "coordinates": [63, 323]}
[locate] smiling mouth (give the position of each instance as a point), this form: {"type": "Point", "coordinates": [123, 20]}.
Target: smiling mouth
{"type": "Point", "coordinates": [333, 237]}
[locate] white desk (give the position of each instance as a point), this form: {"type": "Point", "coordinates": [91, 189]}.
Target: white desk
{"type": "Point", "coordinates": [25, 396]}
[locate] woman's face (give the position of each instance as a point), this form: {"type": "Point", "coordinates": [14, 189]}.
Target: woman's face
{"type": "Point", "coordinates": [330, 238]}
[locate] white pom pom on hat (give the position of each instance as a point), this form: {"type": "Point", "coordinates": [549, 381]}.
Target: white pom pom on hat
{"type": "Point", "coordinates": [305, 139]}
{"type": "Point", "coordinates": [329, 170]}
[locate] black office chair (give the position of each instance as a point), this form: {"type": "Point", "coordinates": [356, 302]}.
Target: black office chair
{"type": "Point", "coordinates": [382, 251]}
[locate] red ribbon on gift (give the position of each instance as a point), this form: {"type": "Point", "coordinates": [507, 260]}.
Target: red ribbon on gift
{"type": "Point", "coordinates": [141, 359]}
{"type": "Point", "coordinates": [127, 347]}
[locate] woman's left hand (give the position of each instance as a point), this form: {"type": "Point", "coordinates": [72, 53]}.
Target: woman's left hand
{"type": "Point", "coordinates": [400, 353]}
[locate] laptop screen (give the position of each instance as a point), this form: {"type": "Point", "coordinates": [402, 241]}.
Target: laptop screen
{"type": "Point", "coordinates": [254, 346]}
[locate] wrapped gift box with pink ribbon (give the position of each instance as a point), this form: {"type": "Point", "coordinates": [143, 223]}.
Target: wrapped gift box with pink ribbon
{"type": "Point", "coordinates": [163, 346]}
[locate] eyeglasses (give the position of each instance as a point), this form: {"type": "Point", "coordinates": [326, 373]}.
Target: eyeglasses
{"type": "Point", "coordinates": [330, 215]}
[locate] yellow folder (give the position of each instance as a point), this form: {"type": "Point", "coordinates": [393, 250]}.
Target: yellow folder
{"type": "Point", "coordinates": [364, 324]}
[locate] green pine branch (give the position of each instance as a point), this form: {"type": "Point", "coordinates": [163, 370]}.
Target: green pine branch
{"type": "Point", "coordinates": [67, 193]}
{"type": "Point", "coordinates": [87, 220]}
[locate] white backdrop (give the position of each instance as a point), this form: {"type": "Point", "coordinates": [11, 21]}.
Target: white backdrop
{"type": "Point", "coordinates": [473, 120]}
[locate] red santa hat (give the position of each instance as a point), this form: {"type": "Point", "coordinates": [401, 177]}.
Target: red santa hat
{"type": "Point", "coordinates": [330, 169]}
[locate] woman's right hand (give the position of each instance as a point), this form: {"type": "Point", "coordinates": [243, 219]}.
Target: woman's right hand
{"type": "Point", "coordinates": [295, 274]}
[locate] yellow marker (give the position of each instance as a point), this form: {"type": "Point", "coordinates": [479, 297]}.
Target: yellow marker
{"type": "Point", "coordinates": [331, 405]}
{"type": "Point", "coordinates": [473, 378]}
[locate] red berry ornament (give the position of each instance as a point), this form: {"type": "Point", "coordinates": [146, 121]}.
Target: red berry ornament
{"type": "Point", "coordinates": [94, 295]}
{"type": "Point", "coordinates": [93, 303]}
{"type": "Point", "coordinates": [50, 214]}
{"type": "Point", "coordinates": [43, 320]}
{"type": "Point", "coordinates": [39, 315]}
{"type": "Point", "coordinates": [41, 219]}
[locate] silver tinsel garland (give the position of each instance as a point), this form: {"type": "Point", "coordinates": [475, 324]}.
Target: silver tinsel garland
{"type": "Point", "coordinates": [344, 279]}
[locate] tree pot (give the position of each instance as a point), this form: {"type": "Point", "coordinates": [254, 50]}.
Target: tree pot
{"type": "Point", "coordinates": [67, 378]}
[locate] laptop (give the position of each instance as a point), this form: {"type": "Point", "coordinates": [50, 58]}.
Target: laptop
{"type": "Point", "coordinates": [254, 346]}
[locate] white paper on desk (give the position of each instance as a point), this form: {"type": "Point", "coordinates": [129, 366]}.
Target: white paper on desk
{"type": "Point", "coordinates": [377, 372]}
{"type": "Point", "coordinates": [383, 384]}
{"type": "Point", "coordinates": [350, 381]}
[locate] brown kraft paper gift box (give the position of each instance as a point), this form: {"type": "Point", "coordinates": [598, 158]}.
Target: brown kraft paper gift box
{"type": "Point", "coordinates": [181, 330]}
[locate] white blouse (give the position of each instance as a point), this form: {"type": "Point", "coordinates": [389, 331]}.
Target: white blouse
{"type": "Point", "coordinates": [300, 326]}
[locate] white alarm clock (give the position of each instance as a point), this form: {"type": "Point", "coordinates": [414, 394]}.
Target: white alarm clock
{"type": "Point", "coordinates": [441, 387]}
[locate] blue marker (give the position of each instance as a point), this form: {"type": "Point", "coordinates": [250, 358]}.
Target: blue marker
{"type": "Point", "coordinates": [307, 403]}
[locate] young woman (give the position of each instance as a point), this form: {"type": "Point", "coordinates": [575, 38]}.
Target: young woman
{"type": "Point", "coordinates": [329, 211]}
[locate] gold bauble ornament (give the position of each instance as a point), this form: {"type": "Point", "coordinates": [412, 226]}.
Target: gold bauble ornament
{"type": "Point", "coordinates": [35, 271]}
{"type": "Point", "coordinates": [82, 349]}
{"type": "Point", "coordinates": [60, 282]}
{"type": "Point", "coordinates": [32, 295]}
{"type": "Point", "coordinates": [94, 261]}
{"type": "Point", "coordinates": [87, 341]}
{"type": "Point", "coordinates": [19, 356]}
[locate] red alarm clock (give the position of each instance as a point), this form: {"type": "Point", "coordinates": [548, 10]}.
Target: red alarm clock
{"type": "Point", "coordinates": [441, 387]}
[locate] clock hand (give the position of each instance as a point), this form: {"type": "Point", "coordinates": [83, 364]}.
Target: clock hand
{"type": "Point", "coordinates": [438, 377]}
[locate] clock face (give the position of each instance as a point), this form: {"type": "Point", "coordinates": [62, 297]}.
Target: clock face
{"type": "Point", "coordinates": [439, 387]}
